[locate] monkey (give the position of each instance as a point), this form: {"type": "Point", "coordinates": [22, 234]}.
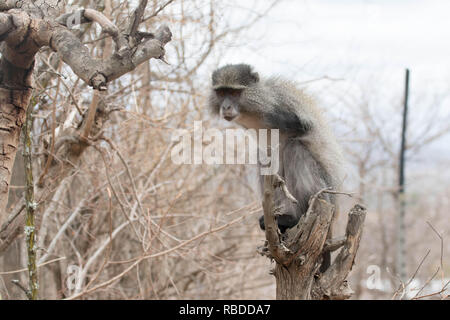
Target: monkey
{"type": "Point", "coordinates": [310, 157]}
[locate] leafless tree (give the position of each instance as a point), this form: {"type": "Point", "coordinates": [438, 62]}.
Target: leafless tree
{"type": "Point", "coordinates": [117, 218]}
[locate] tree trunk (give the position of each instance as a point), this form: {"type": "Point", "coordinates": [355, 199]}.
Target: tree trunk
{"type": "Point", "coordinates": [292, 282]}
{"type": "Point", "coordinates": [14, 99]}
{"type": "Point", "coordinates": [298, 252]}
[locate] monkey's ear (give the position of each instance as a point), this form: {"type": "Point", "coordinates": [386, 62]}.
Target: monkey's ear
{"type": "Point", "coordinates": [255, 76]}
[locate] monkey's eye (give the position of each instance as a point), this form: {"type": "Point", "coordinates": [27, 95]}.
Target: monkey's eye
{"type": "Point", "coordinates": [235, 93]}
{"type": "Point", "coordinates": [228, 92]}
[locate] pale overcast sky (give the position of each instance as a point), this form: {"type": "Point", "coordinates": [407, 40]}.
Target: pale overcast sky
{"type": "Point", "coordinates": [349, 36]}
{"type": "Point", "coordinates": [366, 43]}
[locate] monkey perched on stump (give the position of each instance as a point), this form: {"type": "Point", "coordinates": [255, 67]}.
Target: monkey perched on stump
{"type": "Point", "coordinates": [310, 158]}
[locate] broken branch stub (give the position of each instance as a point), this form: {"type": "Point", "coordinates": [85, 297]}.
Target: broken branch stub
{"type": "Point", "coordinates": [298, 252]}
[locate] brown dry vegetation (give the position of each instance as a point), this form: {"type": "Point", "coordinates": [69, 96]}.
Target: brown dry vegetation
{"type": "Point", "coordinates": [120, 220]}
{"type": "Point", "coordinates": [192, 229]}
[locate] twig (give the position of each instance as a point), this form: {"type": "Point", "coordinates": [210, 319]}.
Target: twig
{"type": "Point", "coordinates": [38, 266]}
{"type": "Point", "coordinates": [30, 227]}
{"type": "Point", "coordinates": [161, 8]}
{"type": "Point", "coordinates": [91, 115]}
{"type": "Point", "coordinates": [107, 26]}
{"type": "Point", "coordinates": [130, 176]}
{"type": "Point", "coordinates": [52, 147]}
{"type": "Point", "coordinates": [328, 190]}
{"type": "Point", "coordinates": [334, 244]}
{"type": "Point", "coordinates": [25, 290]}
{"type": "Point", "coordinates": [442, 248]}
{"type": "Point", "coordinates": [405, 285]}
{"type": "Point", "coordinates": [137, 17]}
{"type": "Point", "coordinates": [18, 210]}
{"type": "Point", "coordinates": [108, 177]}
{"type": "Point", "coordinates": [69, 89]}
{"type": "Point", "coordinates": [435, 293]}
{"type": "Point", "coordinates": [426, 284]}
{"type": "Point", "coordinates": [61, 231]}
{"type": "Point", "coordinates": [279, 182]}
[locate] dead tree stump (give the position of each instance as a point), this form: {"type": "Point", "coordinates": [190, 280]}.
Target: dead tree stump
{"type": "Point", "coordinates": [298, 252]}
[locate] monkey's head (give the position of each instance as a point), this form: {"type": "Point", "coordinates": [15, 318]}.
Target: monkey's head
{"type": "Point", "coordinates": [229, 86]}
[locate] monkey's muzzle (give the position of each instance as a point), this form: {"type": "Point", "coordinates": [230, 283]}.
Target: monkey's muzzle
{"type": "Point", "coordinates": [229, 117]}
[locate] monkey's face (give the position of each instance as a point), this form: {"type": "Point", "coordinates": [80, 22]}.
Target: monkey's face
{"type": "Point", "coordinates": [228, 99]}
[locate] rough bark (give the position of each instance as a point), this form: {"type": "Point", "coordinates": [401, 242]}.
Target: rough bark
{"type": "Point", "coordinates": [27, 26]}
{"type": "Point", "coordinates": [13, 104]}
{"type": "Point", "coordinates": [298, 253]}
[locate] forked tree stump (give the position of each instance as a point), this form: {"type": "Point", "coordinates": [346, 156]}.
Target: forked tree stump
{"type": "Point", "coordinates": [298, 252]}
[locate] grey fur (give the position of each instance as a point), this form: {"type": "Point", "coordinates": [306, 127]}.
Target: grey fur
{"type": "Point", "coordinates": [310, 156]}
{"type": "Point", "coordinates": [227, 77]}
